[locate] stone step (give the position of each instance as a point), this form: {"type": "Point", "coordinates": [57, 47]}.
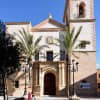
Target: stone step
{"type": "Point", "coordinates": [49, 98]}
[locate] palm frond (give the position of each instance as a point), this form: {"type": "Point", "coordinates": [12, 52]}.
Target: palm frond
{"type": "Point", "coordinates": [75, 55]}
{"type": "Point", "coordinates": [38, 41]}
{"type": "Point", "coordinates": [58, 41]}
{"type": "Point", "coordinates": [41, 47]}
{"type": "Point", "coordinates": [19, 39]}
{"type": "Point", "coordinates": [72, 33]}
{"type": "Point", "coordinates": [82, 44]}
{"type": "Point", "coordinates": [76, 36]}
{"type": "Point", "coordinates": [25, 40]}
{"type": "Point", "coordinates": [55, 55]}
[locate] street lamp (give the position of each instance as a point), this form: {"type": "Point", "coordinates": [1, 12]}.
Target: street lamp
{"type": "Point", "coordinates": [26, 70]}
{"type": "Point", "coordinates": [25, 89]}
{"type": "Point", "coordinates": [74, 69]}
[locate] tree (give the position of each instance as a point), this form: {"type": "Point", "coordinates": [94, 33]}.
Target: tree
{"type": "Point", "coordinates": [69, 43]}
{"type": "Point", "coordinates": [9, 58]}
{"type": "Point", "coordinates": [28, 45]}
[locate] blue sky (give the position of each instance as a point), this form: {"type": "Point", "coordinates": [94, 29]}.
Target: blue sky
{"type": "Point", "coordinates": [38, 10]}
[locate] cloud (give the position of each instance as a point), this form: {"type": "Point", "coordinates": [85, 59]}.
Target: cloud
{"type": "Point", "coordinates": [98, 65]}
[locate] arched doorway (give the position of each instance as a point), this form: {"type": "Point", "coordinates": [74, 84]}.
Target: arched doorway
{"type": "Point", "coordinates": [49, 84]}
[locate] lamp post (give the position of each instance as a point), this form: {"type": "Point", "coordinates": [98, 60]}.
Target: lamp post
{"type": "Point", "coordinates": [25, 89]}
{"type": "Point", "coordinates": [74, 69]}
{"type": "Point", "coordinates": [26, 70]}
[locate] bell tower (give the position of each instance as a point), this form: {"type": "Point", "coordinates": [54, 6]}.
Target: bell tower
{"type": "Point", "coordinates": [81, 13]}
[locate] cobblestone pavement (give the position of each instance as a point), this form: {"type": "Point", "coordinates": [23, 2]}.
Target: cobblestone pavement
{"type": "Point", "coordinates": [55, 98]}
{"type": "Point", "coordinates": [50, 98]}
{"type": "Point", "coordinates": [90, 99]}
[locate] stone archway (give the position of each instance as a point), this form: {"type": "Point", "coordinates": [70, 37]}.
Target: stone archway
{"type": "Point", "coordinates": [49, 84]}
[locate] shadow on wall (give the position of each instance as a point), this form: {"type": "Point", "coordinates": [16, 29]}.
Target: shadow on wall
{"type": "Point", "coordinates": [84, 88]}
{"type": "Point", "coordinates": [15, 84]}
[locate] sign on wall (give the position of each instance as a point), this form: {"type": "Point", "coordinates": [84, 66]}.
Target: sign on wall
{"type": "Point", "coordinates": [85, 85]}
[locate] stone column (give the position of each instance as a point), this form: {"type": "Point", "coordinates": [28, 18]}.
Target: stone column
{"type": "Point", "coordinates": [62, 80]}
{"type": "Point", "coordinates": [60, 76]}
{"type": "Point", "coordinates": [36, 86]}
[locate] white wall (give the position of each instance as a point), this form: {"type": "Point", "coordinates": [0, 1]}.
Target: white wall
{"type": "Point", "coordinates": [87, 33]}
{"type": "Point", "coordinates": [52, 47]}
{"type": "Point", "coordinates": [49, 25]}
{"type": "Point", "coordinates": [15, 28]}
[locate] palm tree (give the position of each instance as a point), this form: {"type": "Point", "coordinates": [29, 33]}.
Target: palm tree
{"type": "Point", "coordinates": [29, 47]}
{"type": "Point", "coordinates": [69, 44]}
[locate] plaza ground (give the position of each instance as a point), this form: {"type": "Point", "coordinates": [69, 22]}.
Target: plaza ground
{"type": "Point", "coordinates": [50, 98]}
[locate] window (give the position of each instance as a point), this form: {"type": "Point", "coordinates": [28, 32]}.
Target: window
{"type": "Point", "coordinates": [37, 56]}
{"type": "Point", "coordinates": [82, 10]}
{"type": "Point", "coordinates": [99, 75]}
{"type": "Point", "coordinates": [1, 82]}
{"type": "Point", "coordinates": [49, 55]}
{"type": "Point", "coordinates": [98, 85]}
{"type": "Point", "coordinates": [16, 84]}
{"type": "Point", "coordinates": [62, 55]}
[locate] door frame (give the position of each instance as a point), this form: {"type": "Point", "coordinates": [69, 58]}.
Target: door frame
{"type": "Point", "coordinates": [54, 77]}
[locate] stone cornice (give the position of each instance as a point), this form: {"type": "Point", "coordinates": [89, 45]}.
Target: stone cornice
{"type": "Point", "coordinates": [84, 51]}
{"type": "Point", "coordinates": [17, 23]}
{"type": "Point", "coordinates": [47, 29]}
{"type": "Point", "coordinates": [82, 20]}
{"type": "Point", "coordinates": [49, 62]}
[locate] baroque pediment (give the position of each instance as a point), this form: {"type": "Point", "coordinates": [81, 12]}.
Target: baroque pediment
{"type": "Point", "coordinates": [48, 25]}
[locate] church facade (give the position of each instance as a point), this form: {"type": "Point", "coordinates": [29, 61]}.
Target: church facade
{"type": "Point", "coordinates": [49, 71]}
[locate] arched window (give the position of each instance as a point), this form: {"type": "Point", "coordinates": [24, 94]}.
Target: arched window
{"type": "Point", "coordinates": [82, 9]}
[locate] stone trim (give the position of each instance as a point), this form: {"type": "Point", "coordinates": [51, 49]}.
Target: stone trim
{"type": "Point", "coordinates": [49, 62]}
{"type": "Point", "coordinates": [47, 29]}
{"type": "Point", "coordinates": [17, 23]}
{"type": "Point", "coordinates": [84, 51]}
{"type": "Point", "coordinates": [82, 20]}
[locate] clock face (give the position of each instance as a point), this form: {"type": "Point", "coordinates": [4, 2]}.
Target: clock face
{"type": "Point", "coordinates": [49, 40]}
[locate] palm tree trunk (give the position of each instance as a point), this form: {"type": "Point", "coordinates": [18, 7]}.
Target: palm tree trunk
{"type": "Point", "coordinates": [4, 86]}
{"type": "Point", "coordinates": [29, 63]}
{"type": "Point", "coordinates": [29, 73]}
{"type": "Point", "coordinates": [67, 80]}
{"type": "Point", "coordinates": [68, 60]}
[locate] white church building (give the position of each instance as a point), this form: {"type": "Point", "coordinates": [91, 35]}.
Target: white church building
{"type": "Point", "coordinates": [49, 72]}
